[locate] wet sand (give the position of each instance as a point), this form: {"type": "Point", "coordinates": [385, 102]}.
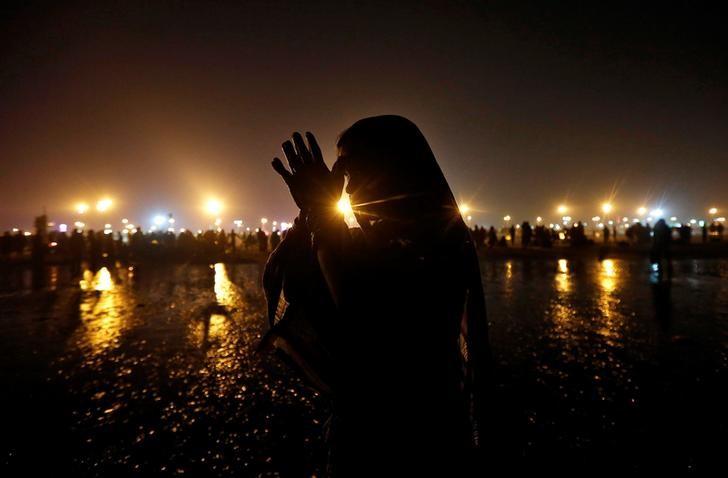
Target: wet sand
{"type": "Point", "coordinates": [600, 367]}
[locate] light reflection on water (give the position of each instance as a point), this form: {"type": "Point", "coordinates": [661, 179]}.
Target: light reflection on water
{"type": "Point", "coordinates": [159, 373]}
{"type": "Point", "coordinates": [100, 312]}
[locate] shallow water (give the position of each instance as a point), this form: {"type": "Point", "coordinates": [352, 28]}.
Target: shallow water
{"type": "Point", "coordinates": [152, 369]}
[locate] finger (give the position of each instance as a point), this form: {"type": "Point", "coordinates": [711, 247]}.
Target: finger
{"type": "Point", "coordinates": [280, 169]}
{"type": "Point", "coordinates": [294, 162]}
{"type": "Point", "coordinates": [301, 148]}
{"type": "Point", "coordinates": [315, 149]}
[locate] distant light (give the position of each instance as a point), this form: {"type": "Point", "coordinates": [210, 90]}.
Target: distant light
{"type": "Point", "coordinates": [606, 208]}
{"type": "Point", "coordinates": [103, 205]}
{"type": "Point", "coordinates": [158, 220]}
{"type": "Point", "coordinates": [539, 219]}
{"type": "Point", "coordinates": [264, 220]}
{"type": "Point", "coordinates": [107, 226]}
{"type": "Point", "coordinates": [213, 206]}
{"type": "Point", "coordinates": [171, 220]}
{"type": "Point", "coordinates": [713, 210]}
{"type": "Point", "coordinates": [218, 221]}
{"type": "Point", "coordinates": [562, 236]}
{"type": "Point", "coordinates": [464, 209]}
{"type": "Point", "coordinates": [635, 220]}
{"type": "Point", "coordinates": [596, 219]}
{"type": "Point", "coordinates": [182, 229]}
{"type": "Point", "coordinates": [562, 209]}
{"type": "Point", "coordinates": [125, 221]}
{"type": "Point", "coordinates": [81, 207]}
{"type": "Point", "coordinates": [54, 244]}
{"type": "Point", "coordinates": [79, 224]}
{"type": "Point", "coordinates": [693, 221]}
{"type": "Point", "coordinates": [63, 227]}
{"type": "Point", "coordinates": [611, 223]}
{"type": "Point", "coordinates": [27, 233]}
{"type": "Point", "coordinates": [642, 211]}
{"type": "Point", "coordinates": [720, 219]}
{"type": "Point", "coordinates": [657, 213]}
{"type": "Point", "coordinates": [469, 218]}
{"type": "Point", "coordinates": [170, 229]}
{"type": "Point", "coordinates": [15, 229]}
{"type": "Point", "coordinates": [507, 218]}
{"type": "Point", "coordinates": [701, 223]}
{"type": "Point", "coordinates": [275, 223]}
{"type": "Point", "coordinates": [673, 218]}
{"type": "Point", "coordinates": [108, 231]}
{"type": "Point", "coordinates": [625, 219]}
{"type": "Point", "coordinates": [649, 219]}
{"type": "Point", "coordinates": [247, 229]}
{"type": "Point", "coordinates": [238, 222]}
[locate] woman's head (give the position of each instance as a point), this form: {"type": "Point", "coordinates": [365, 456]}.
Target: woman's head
{"type": "Point", "coordinates": [392, 173]}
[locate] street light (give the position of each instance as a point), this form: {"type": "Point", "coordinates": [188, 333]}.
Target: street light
{"type": "Point", "coordinates": [606, 208]}
{"type": "Point", "coordinates": [713, 211]}
{"type": "Point", "coordinates": [562, 209]}
{"type": "Point", "coordinates": [81, 207]}
{"type": "Point", "coordinates": [103, 205]}
{"type": "Point", "coordinates": [213, 206]}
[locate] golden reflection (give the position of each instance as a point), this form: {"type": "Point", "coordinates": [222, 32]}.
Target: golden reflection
{"type": "Point", "coordinates": [215, 331]}
{"type": "Point", "coordinates": [100, 311]}
{"type": "Point", "coordinates": [562, 278]}
{"type": "Point", "coordinates": [226, 292]}
{"type": "Point", "coordinates": [607, 301]}
{"type": "Point", "coordinates": [509, 270]}
{"type": "Point", "coordinates": [100, 282]}
{"type": "Point", "coordinates": [608, 275]}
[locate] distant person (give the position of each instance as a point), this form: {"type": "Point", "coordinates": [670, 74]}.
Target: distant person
{"type": "Point", "coordinates": [492, 237]}
{"type": "Point", "coordinates": [512, 232]}
{"type": "Point", "coordinates": [606, 234]}
{"type": "Point", "coordinates": [661, 244]}
{"type": "Point", "coordinates": [526, 233]}
{"type": "Point", "coordinates": [402, 294]}
{"type": "Point", "coordinates": [275, 239]}
{"type": "Point", "coordinates": [704, 230]}
{"type": "Point", "coordinates": [262, 240]}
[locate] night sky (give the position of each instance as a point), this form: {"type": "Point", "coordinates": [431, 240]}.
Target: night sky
{"type": "Point", "coordinates": [160, 105]}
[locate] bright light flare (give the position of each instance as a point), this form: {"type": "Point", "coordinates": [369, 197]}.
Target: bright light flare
{"type": "Point", "coordinates": [562, 209]}
{"type": "Point", "coordinates": [606, 208]}
{"type": "Point", "coordinates": [81, 207]}
{"type": "Point", "coordinates": [213, 206]}
{"type": "Point", "coordinates": [642, 210]}
{"type": "Point", "coordinates": [713, 210]}
{"type": "Point", "coordinates": [464, 209]}
{"type": "Point", "coordinates": [344, 206]}
{"type": "Point", "coordinates": [103, 205]}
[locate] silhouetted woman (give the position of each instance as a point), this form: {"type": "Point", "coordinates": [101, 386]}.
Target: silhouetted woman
{"type": "Point", "coordinates": [388, 319]}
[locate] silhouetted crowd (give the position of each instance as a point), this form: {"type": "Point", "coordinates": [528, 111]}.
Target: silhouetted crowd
{"type": "Point", "coordinates": [99, 246]}
{"type": "Point", "coordinates": [575, 235]}
{"type": "Point", "coordinates": [209, 245]}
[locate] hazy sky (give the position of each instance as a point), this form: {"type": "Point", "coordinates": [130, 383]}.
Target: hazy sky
{"type": "Point", "coordinates": [162, 104]}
